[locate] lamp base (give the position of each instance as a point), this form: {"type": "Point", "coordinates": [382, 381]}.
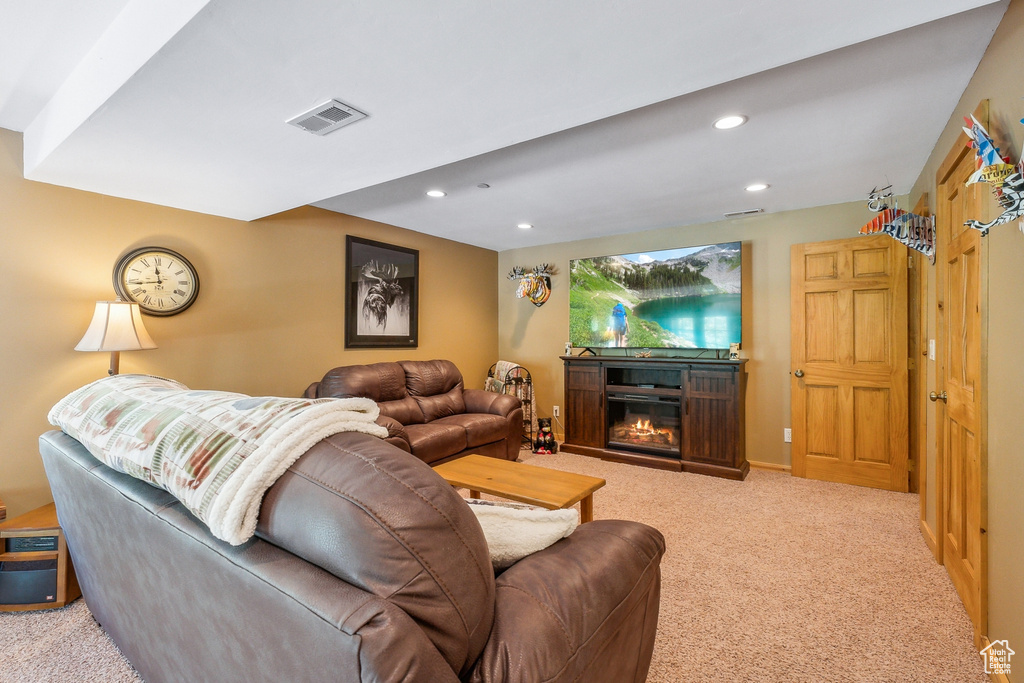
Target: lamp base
{"type": "Point", "coordinates": [115, 362]}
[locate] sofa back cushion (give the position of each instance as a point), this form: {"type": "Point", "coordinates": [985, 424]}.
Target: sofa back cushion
{"type": "Point", "coordinates": [436, 386]}
{"type": "Point", "coordinates": [380, 382]}
{"type": "Point", "coordinates": [381, 519]}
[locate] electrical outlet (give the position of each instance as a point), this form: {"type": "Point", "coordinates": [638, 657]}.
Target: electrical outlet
{"type": "Point", "coordinates": [554, 411]}
{"type": "Point", "coordinates": [787, 435]}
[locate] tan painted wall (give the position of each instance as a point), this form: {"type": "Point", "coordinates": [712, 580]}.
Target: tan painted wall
{"type": "Point", "coordinates": [268, 321]}
{"type": "Point", "coordinates": [535, 336]}
{"type": "Point", "coordinates": [998, 79]}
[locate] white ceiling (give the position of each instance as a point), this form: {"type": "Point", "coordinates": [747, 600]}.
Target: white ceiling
{"type": "Point", "coordinates": [585, 118]}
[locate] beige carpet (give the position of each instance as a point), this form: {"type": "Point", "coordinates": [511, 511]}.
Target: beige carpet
{"type": "Point", "coordinates": [771, 579]}
{"type": "Point", "coordinates": [58, 645]}
{"type": "Point", "coordinates": [785, 579]}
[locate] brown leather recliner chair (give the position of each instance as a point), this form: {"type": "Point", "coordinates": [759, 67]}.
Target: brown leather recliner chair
{"type": "Point", "coordinates": [428, 412]}
{"type": "Point", "coordinates": [366, 567]}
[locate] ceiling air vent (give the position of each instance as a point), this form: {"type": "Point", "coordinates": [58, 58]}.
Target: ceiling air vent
{"type": "Point", "coordinates": [748, 212]}
{"type": "Point", "coordinates": [327, 117]}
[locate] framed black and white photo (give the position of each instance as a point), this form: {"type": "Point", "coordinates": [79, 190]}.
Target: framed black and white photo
{"type": "Point", "coordinates": [381, 294]}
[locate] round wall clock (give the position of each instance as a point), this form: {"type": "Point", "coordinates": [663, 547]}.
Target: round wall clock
{"type": "Point", "coordinates": [161, 281]}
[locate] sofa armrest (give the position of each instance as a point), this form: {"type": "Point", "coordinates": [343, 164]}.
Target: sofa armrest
{"type": "Point", "coordinates": [480, 401]}
{"type": "Point", "coordinates": [584, 609]}
{"type": "Point", "coordinates": [503, 405]}
{"type": "Point", "coordinates": [396, 432]}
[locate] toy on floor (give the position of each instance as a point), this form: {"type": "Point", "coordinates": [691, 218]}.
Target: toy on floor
{"type": "Point", "coordinates": [545, 441]}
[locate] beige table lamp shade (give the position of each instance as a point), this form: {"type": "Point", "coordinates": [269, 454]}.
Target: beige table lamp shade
{"type": "Point", "coordinates": [116, 326]}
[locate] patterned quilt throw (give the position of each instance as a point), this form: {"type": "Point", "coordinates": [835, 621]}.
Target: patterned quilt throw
{"type": "Point", "coordinates": [216, 452]}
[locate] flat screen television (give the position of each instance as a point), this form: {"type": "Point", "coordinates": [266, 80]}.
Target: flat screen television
{"type": "Point", "coordinates": [686, 298]}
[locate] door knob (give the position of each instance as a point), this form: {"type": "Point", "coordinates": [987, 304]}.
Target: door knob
{"type": "Point", "coordinates": [799, 373]}
{"type": "Point", "coordinates": [938, 397]}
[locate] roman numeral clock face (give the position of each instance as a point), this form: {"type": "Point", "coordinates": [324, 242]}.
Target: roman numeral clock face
{"type": "Point", "coordinates": [161, 281]}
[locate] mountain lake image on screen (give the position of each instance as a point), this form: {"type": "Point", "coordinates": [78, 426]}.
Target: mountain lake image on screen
{"type": "Point", "coordinates": [672, 298]}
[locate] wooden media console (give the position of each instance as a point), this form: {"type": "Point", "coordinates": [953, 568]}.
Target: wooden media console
{"type": "Point", "coordinates": [682, 414]}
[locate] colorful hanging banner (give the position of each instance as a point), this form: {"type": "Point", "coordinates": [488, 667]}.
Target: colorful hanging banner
{"type": "Point", "coordinates": [1005, 179]}
{"type": "Point", "coordinates": [917, 232]}
{"type": "Point", "coordinates": [877, 224]}
{"type": "Point", "coordinates": [1011, 198]}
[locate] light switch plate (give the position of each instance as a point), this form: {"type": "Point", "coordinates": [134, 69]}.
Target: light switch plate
{"type": "Point", "coordinates": [931, 349]}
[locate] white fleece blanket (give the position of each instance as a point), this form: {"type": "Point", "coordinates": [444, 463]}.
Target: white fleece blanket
{"type": "Point", "coordinates": [216, 452]}
{"type": "Point", "coordinates": [515, 530]}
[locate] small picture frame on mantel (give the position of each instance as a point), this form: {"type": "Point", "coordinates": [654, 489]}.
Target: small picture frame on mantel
{"type": "Point", "coordinates": [381, 295]}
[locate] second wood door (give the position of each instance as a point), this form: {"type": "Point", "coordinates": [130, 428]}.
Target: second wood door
{"type": "Point", "coordinates": [961, 471]}
{"type": "Point", "coordinates": [849, 355]}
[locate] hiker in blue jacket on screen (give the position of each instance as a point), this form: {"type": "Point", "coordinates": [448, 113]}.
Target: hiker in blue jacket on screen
{"type": "Point", "coordinates": [619, 324]}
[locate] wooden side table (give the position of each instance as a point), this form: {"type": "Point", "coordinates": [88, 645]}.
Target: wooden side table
{"type": "Point", "coordinates": [30, 538]}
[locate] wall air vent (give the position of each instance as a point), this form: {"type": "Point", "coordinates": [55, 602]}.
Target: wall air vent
{"type": "Point", "coordinates": [748, 212]}
{"type": "Point", "coordinates": [327, 118]}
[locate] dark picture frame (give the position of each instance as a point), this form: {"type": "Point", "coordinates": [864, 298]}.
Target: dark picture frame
{"type": "Point", "coordinates": [381, 294]}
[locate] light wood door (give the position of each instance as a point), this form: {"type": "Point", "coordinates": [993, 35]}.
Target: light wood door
{"type": "Point", "coordinates": [849, 355]}
{"type": "Point", "coordinates": [959, 408]}
{"type": "Point", "coordinates": [917, 363]}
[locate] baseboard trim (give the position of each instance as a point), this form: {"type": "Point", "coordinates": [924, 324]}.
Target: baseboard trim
{"type": "Point", "coordinates": [995, 678]}
{"type": "Point", "coordinates": [929, 538]}
{"type": "Point", "coordinates": [775, 467]}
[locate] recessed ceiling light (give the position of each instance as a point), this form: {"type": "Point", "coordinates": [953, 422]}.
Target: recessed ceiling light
{"type": "Point", "coordinates": [483, 186]}
{"type": "Point", "coordinates": [436, 193]}
{"type": "Point", "coordinates": [732, 121]}
{"type": "Point", "coordinates": [757, 187]}
{"type": "Point", "coordinates": [524, 226]}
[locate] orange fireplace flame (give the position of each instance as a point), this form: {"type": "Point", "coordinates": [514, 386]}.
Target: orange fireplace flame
{"type": "Point", "coordinates": [644, 426]}
{"type": "Point", "coordinates": [644, 432]}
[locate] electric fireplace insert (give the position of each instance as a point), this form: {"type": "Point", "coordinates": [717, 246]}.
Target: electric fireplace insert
{"type": "Point", "coordinates": [645, 423]}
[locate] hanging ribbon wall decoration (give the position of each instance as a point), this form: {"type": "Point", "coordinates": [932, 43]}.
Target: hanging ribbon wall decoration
{"type": "Point", "coordinates": [917, 232]}
{"type": "Point", "coordinates": [534, 285]}
{"type": "Point", "coordinates": [1005, 180]}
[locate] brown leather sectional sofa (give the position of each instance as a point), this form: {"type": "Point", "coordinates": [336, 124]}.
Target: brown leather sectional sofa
{"type": "Point", "coordinates": [366, 566]}
{"type": "Point", "coordinates": [427, 410]}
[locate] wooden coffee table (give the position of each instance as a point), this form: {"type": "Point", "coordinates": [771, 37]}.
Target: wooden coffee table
{"type": "Point", "coordinates": [541, 486]}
